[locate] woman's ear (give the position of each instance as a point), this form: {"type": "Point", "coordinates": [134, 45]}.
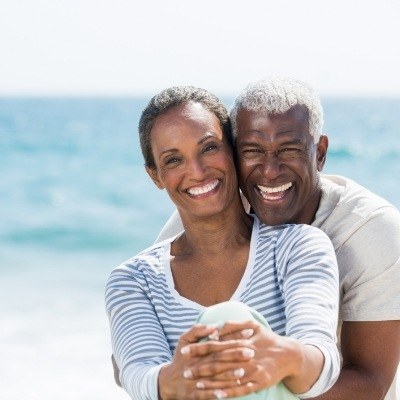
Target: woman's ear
{"type": "Point", "coordinates": [153, 173]}
{"type": "Point", "coordinates": [322, 148]}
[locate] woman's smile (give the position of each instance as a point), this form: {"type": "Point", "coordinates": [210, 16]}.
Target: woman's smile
{"type": "Point", "coordinates": [204, 190]}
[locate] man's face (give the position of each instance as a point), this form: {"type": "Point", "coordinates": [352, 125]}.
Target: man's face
{"type": "Point", "coordinates": [279, 164]}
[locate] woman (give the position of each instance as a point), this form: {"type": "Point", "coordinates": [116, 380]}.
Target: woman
{"type": "Point", "coordinates": [288, 274]}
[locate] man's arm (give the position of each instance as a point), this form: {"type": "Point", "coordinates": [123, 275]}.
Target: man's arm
{"type": "Point", "coordinates": [371, 354]}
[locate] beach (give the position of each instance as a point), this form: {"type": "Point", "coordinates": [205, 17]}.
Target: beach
{"type": "Point", "coordinates": [76, 202]}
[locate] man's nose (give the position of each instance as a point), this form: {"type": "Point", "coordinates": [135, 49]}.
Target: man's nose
{"type": "Point", "coordinates": [271, 166]}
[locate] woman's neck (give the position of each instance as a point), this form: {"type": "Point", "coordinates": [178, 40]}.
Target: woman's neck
{"type": "Point", "coordinates": [232, 227]}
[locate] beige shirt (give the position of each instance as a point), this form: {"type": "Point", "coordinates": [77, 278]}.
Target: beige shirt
{"type": "Point", "coordinates": [365, 232]}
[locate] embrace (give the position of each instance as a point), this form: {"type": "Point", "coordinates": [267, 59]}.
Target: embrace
{"type": "Point", "coordinates": [244, 291]}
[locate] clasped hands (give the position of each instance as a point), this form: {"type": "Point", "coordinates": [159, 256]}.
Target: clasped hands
{"type": "Point", "coordinates": [237, 359]}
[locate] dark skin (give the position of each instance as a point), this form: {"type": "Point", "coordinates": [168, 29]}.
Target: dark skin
{"type": "Point", "coordinates": [370, 349]}
{"type": "Point", "coordinates": [194, 163]}
{"type": "Point", "coordinates": [370, 358]}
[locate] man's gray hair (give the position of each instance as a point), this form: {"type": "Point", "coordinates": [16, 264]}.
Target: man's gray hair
{"type": "Point", "coordinates": [277, 96]}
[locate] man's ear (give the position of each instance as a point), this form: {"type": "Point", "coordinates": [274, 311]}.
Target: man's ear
{"type": "Point", "coordinates": [153, 173]}
{"type": "Point", "coordinates": [322, 149]}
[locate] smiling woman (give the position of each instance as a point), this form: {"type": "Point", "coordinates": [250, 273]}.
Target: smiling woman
{"type": "Point", "coordinates": [193, 161]}
{"type": "Point", "coordinates": [154, 299]}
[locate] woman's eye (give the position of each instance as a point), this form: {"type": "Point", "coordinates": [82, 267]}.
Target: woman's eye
{"type": "Point", "coordinates": [171, 161]}
{"type": "Point", "coordinates": [210, 147]}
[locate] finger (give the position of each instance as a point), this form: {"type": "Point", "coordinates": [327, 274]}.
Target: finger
{"type": "Point", "coordinates": [241, 390]}
{"type": "Point", "coordinates": [237, 330]}
{"type": "Point", "coordinates": [227, 392]}
{"type": "Point", "coordinates": [207, 384]}
{"type": "Point", "coordinates": [231, 373]}
{"type": "Point", "coordinates": [196, 333]}
{"type": "Point", "coordinates": [206, 348]}
{"type": "Point", "coordinates": [217, 370]}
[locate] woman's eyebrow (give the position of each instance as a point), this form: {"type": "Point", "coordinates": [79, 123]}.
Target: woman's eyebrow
{"type": "Point", "coordinates": [206, 136]}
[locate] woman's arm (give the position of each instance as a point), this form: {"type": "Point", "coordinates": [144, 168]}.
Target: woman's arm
{"type": "Point", "coordinates": [311, 291]}
{"type": "Point", "coordinates": [139, 344]}
{"type": "Point", "coordinates": [148, 371]}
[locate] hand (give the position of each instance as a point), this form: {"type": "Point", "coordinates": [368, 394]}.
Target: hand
{"type": "Point", "coordinates": [196, 363]}
{"type": "Point", "coordinates": [272, 358]}
{"type": "Point", "coordinates": [276, 358]}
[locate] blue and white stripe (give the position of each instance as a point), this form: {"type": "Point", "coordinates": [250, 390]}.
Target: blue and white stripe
{"type": "Point", "coordinates": [291, 279]}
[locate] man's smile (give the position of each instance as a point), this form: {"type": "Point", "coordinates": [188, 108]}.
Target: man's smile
{"type": "Point", "coordinates": [274, 193]}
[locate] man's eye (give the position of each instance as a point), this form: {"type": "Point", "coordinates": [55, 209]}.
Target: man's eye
{"type": "Point", "coordinates": [289, 150]}
{"type": "Point", "coordinates": [251, 152]}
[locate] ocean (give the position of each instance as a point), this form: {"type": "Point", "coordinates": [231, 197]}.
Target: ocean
{"type": "Point", "coordinates": [76, 201]}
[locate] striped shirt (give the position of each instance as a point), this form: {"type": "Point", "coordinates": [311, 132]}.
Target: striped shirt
{"type": "Point", "coordinates": [291, 278]}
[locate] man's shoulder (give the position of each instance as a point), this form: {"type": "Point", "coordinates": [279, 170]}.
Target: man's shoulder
{"type": "Point", "coordinates": [347, 200]}
{"type": "Point", "coordinates": [344, 192]}
{"type": "Point", "coordinates": [347, 207]}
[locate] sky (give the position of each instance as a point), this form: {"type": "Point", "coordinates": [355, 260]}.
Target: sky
{"type": "Point", "coordinates": [130, 47]}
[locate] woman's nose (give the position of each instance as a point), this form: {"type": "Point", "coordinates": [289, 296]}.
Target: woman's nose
{"type": "Point", "coordinates": [196, 169]}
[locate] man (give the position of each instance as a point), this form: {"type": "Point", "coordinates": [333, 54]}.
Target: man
{"type": "Point", "coordinates": [281, 152]}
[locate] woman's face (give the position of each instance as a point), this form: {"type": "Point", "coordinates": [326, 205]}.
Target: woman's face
{"type": "Point", "coordinates": [193, 160]}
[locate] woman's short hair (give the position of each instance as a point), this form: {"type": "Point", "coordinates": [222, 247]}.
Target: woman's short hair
{"type": "Point", "coordinates": [277, 96]}
{"type": "Point", "coordinates": [173, 97]}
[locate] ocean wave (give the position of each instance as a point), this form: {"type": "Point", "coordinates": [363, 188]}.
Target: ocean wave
{"type": "Point", "coordinates": [364, 152]}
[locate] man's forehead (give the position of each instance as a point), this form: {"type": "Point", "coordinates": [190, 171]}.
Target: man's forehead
{"type": "Point", "coordinates": [291, 125]}
{"type": "Point", "coordinates": [296, 113]}
{"type": "Point", "coordinates": [284, 136]}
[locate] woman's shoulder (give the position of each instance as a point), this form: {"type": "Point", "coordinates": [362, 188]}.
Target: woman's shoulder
{"type": "Point", "coordinates": [148, 261]}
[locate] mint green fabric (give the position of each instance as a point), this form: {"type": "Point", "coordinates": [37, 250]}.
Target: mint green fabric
{"type": "Point", "coordinates": [236, 311]}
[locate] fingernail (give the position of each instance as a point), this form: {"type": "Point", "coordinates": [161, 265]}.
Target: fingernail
{"type": "Point", "coordinates": [239, 373]}
{"type": "Point", "coordinates": [187, 374]}
{"type": "Point", "coordinates": [185, 350]}
{"type": "Point", "coordinates": [249, 353]}
{"type": "Point", "coordinates": [247, 333]}
{"type": "Point", "coordinates": [214, 335]}
{"type": "Point", "coordinates": [200, 385]}
{"type": "Point", "coordinates": [220, 394]}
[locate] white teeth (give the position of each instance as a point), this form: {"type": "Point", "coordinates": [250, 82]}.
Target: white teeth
{"type": "Point", "coordinates": [265, 189]}
{"type": "Point", "coordinates": [196, 191]}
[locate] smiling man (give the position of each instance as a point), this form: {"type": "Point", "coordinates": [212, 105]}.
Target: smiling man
{"type": "Point", "coordinates": [281, 151]}
{"type": "Point", "coordinates": [279, 164]}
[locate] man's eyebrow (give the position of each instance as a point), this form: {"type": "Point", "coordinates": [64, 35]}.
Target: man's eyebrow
{"type": "Point", "coordinates": [294, 141]}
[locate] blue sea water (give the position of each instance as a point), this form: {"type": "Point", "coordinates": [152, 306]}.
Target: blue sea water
{"type": "Point", "coordinates": [76, 201]}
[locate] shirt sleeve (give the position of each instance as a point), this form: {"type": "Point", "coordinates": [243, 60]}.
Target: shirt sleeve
{"type": "Point", "coordinates": [139, 344]}
{"type": "Point", "coordinates": [310, 284]}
